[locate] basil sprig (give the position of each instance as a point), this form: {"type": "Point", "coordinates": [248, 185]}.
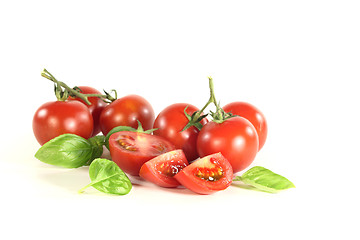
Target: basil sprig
{"type": "Point", "coordinates": [107, 177]}
{"type": "Point", "coordinates": [70, 151]}
{"type": "Point", "coordinates": [265, 180]}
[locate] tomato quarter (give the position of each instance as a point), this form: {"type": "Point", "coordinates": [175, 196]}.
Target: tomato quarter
{"type": "Point", "coordinates": [130, 150]}
{"type": "Point", "coordinates": [207, 175]}
{"type": "Point", "coordinates": [162, 169]}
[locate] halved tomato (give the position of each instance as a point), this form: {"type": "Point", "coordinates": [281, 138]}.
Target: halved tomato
{"type": "Point", "coordinates": [130, 150]}
{"type": "Point", "coordinates": [162, 169]}
{"type": "Point", "coordinates": [207, 175]}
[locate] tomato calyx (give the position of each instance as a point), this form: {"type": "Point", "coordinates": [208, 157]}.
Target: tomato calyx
{"type": "Point", "coordinates": [194, 119]}
{"type": "Point", "coordinates": [63, 91]}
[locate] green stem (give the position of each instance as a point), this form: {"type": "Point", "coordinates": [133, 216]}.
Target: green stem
{"type": "Point", "coordinates": [212, 99]}
{"type": "Point", "coordinates": [46, 74]}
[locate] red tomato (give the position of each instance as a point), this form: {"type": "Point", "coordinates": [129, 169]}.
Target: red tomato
{"type": "Point", "coordinates": [96, 107]}
{"type": "Point", "coordinates": [130, 150]}
{"type": "Point", "coordinates": [171, 121]}
{"type": "Point", "coordinates": [126, 111]}
{"type": "Point", "coordinates": [55, 118]}
{"type": "Point", "coordinates": [252, 114]}
{"type": "Point", "coordinates": [235, 138]}
{"type": "Point", "coordinates": [162, 169]}
{"type": "Point", "coordinates": [207, 175]}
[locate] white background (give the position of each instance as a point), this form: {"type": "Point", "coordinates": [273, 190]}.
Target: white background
{"type": "Point", "coordinates": [297, 61]}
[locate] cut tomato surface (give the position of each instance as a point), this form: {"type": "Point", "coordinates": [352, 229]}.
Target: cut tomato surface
{"type": "Point", "coordinates": [207, 175]}
{"type": "Point", "coordinates": [130, 150]}
{"type": "Point", "coordinates": [162, 169]}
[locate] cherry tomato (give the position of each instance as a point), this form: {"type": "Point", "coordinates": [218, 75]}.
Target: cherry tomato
{"type": "Point", "coordinates": [170, 123]}
{"type": "Point", "coordinates": [55, 118]}
{"type": "Point", "coordinates": [252, 114]}
{"type": "Point", "coordinates": [162, 169]}
{"type": "Point", "coordinates": [235, 138]}
{"type": "Point", "coordinates": [96, 107]}
{"type": "Point", "coordinates": [130, 150]}
{"type": "Point", "coordinates": [206, 175]}
{"type": "Point", "coordinates": [126, 111]}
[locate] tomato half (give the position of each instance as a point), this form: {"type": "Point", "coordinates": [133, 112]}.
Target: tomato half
{"type": "Point", "coordinates": [251, 113]}
{"type": "Point", "coordinates": [207, 175]}
{"type": "Point", "coordinates": [126, 111]}
{"type": "Point", "coordinates": [55, 118]}
{"type": "Point", "coordinates": [96, 107]}
{"type": "Point", "coordinates": [170, 123]}
{"type": "Point", "coordinates": [162, 169]}
{"type": "Point", "coordinates": [235, 138]}
{"type": "Point", "coordinates": [130, 150]}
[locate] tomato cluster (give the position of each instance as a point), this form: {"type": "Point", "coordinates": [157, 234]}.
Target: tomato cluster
{"type": "Point", "coordinates": [185, 148]}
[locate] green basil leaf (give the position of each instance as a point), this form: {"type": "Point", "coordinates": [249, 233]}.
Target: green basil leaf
{"type": "Point", "coordinates": [107, 177]}
{"type": "Point", "coordinates": [265, 180]}
{"type": "Point", "coordinates": [67, 150]}
{"type": "Point", "coordinates": [97, 143]}
{"type": "Point", "coordinates": [117, 129]}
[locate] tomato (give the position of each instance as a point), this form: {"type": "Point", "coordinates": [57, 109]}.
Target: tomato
{"type": "Point", "coordinates": [96, 107]}
{"type": "Point", "coordinates": [170, 123]}
{"type": "Point", "coordinates": [206, 175]}
{"type": "Point", "coordinates": [126, 111]}
{"type": "Point", "coordinates": [55, 118]}
{"type": "Point", "coordinates": [162, 169]}
{"type": "Point", "coordinates": [252, 114]}
{"type": "Point", "coordinates": [235, 138]}
{"type": "Point", "coordinates": [130, 150]}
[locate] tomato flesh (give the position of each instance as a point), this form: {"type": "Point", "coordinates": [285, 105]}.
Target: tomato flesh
{"type": "Point", "coordinates": [207, 175]}
{"type": "Point", "coordinates": [162, 169]}
{"type": "Point", "coordinates": [130, 150]}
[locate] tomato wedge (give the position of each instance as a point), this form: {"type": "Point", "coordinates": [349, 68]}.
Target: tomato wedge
{"type": "Point", "coordinates": [162, 169]}
{"type": "Point", "coordinates": [207, 175]}
{"type": "Point", "coordinates": [130, 150]}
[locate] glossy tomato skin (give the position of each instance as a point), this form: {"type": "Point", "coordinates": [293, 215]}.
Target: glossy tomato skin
{"type": "Point", "coordinates": [235, 138]}
{"type": "Point", "coordinates": [253, 114]}
{"type": "Point", "coordinates": [170, 123]}
{"type": "Point", "coordinates": [162, 169]}
{"type": "Point", "coordinates": [96, 107]}
{"type": "Point", "coordinates": [59, 117]}
{"type": "Point", "coordinates": [130, 150]}
{"type": "Point", "coordinates": [126, 111]}
{"type": "Point", "coordinates": [197, 175]}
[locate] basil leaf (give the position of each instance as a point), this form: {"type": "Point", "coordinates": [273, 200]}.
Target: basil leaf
{"type": "Point", "coordinates": [265, 180]}
{"type": "Point", "coordinates": [97, 143]}
{"type": "Point", "coordinates": [67, 150]}
{"type": "Point", "coordinates": [107, 177]}
{"type": "Point", "coordinates": [117, 129]}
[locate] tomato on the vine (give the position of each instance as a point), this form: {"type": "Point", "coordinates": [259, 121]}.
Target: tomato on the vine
{"type": "Point", "coordinates": [59, 117]}
{"type": "Point", "coordinates": [207, 175]}
{"type": "Point", "coordinates": [126, 111]}
{"type": "Point", "coordinates": [171, 121]}
{"type": "Point", "coordinates": [95, 108]}
{"type": "Point", "coordinates": [251, 113]}
{"type": "Point", "coordinates": [162, 169]}
{"type": "Point", "coordinates": [235, 138]}
{"type": "Point", "coordinates": [130, 150]}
